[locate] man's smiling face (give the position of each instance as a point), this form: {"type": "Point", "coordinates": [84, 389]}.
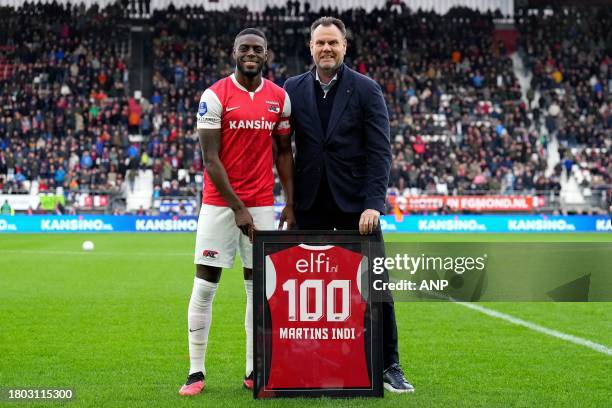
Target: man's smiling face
{"type": "Point", "coordinates": [250, 53]}
{"type": "Point", "coordinates": [327, 47]}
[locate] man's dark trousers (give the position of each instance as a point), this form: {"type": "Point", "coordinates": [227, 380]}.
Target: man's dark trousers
{"type": "Point", "coordinates": [324, 214]}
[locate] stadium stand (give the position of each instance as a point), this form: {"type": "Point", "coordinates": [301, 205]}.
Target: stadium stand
{"type": "Point", "coordinates": [464, 120]}
{"type": "Point", "coordinates": [570, 88]}
{"type": "Point", "coordinates": [62, 127]}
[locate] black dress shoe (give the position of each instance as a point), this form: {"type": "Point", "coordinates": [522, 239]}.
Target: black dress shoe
{"type": "Point", "coordinates": [394, 380]}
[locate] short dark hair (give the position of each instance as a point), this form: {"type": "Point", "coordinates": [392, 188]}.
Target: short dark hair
{"type": "Point", "coordinates": [253, 31]}
{"type": "Point", "coordinates": [326, 22]}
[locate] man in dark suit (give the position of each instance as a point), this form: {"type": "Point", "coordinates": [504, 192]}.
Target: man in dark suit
{"type": "Point", "coordinates": [343, 156]}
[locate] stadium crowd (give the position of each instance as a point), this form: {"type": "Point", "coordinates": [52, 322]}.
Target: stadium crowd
{"type": "Point", "coordinates": [458, 122]}
{"type": "Point", "coordinates": [63, 96]}
{"type": "Point", "coordinates": [569, 53]}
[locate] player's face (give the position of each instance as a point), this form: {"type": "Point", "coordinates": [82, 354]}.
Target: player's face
{"type": "Point", "coordinates": [250, 54]}
{"type": "Point", "coordinates": [327, 47]}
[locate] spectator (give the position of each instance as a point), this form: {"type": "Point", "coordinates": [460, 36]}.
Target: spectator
{"type": "Point", "coordinates": [6, 209]}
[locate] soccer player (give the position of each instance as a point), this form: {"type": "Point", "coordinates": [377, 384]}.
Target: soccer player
{"type": "Point", "coordinates": [238, 118]}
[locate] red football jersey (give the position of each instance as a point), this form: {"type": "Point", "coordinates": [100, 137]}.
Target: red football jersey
{"type": "Point", "coordinates": [247, 121]}
{"type": "Point", "coordinates": [317, 318]}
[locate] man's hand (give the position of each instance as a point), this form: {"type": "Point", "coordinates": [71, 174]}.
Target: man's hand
{"type": "Point", "coordinates": [287, 216]}
{"type": "Point", "coordinates": [244, 221]}
{"type": "Point", "coordinates": [368, 221]}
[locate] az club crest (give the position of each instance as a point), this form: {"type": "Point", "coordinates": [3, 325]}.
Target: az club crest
{"type": "Point", "coordinates": [273, 109]}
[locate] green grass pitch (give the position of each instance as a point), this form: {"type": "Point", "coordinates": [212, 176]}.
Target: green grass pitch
{"type": "Point", "coordinates": [112, 325]}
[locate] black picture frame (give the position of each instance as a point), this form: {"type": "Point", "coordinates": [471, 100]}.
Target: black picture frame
{"type": "Point", "coordinates": [268, 242]}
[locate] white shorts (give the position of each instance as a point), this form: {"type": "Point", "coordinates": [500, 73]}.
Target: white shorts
{"type": "Point", "coordinates": [218, 237]}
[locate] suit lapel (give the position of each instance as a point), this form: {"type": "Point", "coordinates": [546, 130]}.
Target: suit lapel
{"type": "Point", "coordinates": [343, 94]}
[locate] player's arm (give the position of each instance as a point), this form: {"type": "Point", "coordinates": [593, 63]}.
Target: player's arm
{"type": "Point", "coordinates": [284, 164]}
{"type": "Point", "coordinates": [210, 141]}
{"type": "Point", "coordinates": [209, 133]}
{"type": "Point", "coordinates": [284, 167]}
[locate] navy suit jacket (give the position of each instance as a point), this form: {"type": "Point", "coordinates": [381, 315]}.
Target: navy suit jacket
{"type": "Point", "coordinates": [355, 151]}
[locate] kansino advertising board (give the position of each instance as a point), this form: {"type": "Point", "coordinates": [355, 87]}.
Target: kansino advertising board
{"type": "Point", "coordinates": [389, 223]}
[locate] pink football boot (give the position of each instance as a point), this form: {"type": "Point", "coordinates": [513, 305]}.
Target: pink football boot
{"type": "Point", "coordinates": [194, 385]}
{"type": "Point", "coordinates": [248, 382]}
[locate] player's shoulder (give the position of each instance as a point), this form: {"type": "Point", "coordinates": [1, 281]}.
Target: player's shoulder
{"type": "Point", "coordinates": [274, 89]}
{"type": "Point", "coordinates": [220, 87]}
{"type": "Point", "coordinates": [272, 86]}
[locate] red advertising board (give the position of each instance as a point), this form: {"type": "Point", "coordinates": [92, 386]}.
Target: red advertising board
{"type": "Point", "coordinates": [89, 201]}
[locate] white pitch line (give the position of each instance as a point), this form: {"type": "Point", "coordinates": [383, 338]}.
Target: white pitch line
{"type": "Point", "coordinates": [540, 329]}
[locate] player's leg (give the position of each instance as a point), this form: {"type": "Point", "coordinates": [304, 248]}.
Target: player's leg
{"type": "Point", "coordinates": [199, 318]}
{"type": "Point", "coordinates": [248, 327]}
{"type": "Point", "coordinates": [199, 314]}
{"type": "Point", "coordinates": [263, 218]}
{"type": "Point", "coordinates": [216, 243]}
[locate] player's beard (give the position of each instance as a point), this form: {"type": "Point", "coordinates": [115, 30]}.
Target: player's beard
{"type": "Point", "coordinates": [249, 74]}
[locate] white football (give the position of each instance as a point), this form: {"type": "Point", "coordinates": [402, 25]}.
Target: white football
{"type": "Point", "coordinates": [88, 246]}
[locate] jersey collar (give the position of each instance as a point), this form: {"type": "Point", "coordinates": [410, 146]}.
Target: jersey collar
{"type": "Point", "coordinates": [316, 247]}
{"type": "Point", "coordinates": [242, 88]}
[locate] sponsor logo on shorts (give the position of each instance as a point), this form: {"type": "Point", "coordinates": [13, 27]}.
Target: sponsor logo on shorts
{"type": "Point", "coordinates": [209, 253]}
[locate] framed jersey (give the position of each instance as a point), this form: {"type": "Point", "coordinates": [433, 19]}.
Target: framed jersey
{"type": "Point", "coordinates": [318, 331]}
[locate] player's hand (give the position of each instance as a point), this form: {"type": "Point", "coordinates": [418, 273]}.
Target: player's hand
{"type": "Point", "coordinates": [244, 221]}
{"type": "Point", "coordinates": [368, 221]}
{"type": "Point", "coordinates": [288, 217]}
